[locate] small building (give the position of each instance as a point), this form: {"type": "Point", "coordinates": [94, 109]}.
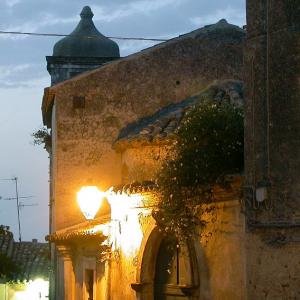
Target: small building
{"type": "Point", "coordinates": [32, 263]}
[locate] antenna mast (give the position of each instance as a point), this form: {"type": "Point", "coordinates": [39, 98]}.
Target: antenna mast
{"type": "Point", "coordinates": [18, 206]}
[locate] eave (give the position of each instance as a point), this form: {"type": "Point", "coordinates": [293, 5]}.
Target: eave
{"type": "Point", "coordinates": [219, 193]}
{"type": "Point", "coordinates": [47, 104]}
{"type": "Point", "coordinates": [75, 236]}
{"type": "Point", "coordinates": [80, 232]}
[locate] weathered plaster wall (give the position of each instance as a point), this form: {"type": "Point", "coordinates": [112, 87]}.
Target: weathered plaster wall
{"type": "Point", "coordinates": [2, 291]}
{"type": "Point", "coordinates": [272, 106]}
{"type": "Point", "coordinates": [220, 248]}
{"type": "Point", "coordinates": [272, 148]}
{"type": "Point", "coordinates": [122, 92]}
{"type": "Point", "coordinates": [123, 273]}
{"type": "Point", "coordinates": [220, 260]}
{"type": "Point", "coordinates": [273, 264]}
{"type": "Point", "coordinates": [223, 242]}
{"type": "Point", "coordinates": [62, 68]}
{"type": "Point", "coordinates": [143, 163]}
{"type": "Point", "coordinates": [102, 281]}
{"type": "Point", "coordinates": [273, 90]}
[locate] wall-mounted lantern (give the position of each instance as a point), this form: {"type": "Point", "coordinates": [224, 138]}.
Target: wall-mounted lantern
{"type": "Point", "coordinates": [89, 199]}
{"type": "Point", "coordinates": [261, 194]}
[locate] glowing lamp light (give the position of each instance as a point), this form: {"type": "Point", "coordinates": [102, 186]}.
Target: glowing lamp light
{"type": "Point", "coordinates": [89, 199]}
{"type": "Point", "coordinates": [33, 290]}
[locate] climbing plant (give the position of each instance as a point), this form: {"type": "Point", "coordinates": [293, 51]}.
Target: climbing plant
{"type": "Point", "coordinates": [42, 136]}
{"type": "Point", "coordinates": [208, 145]}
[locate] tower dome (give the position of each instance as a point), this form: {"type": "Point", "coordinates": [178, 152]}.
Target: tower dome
{"type": "Point", "coordinates": [83, 50]}
{"type": "Point", "coordinates": [86, 40]}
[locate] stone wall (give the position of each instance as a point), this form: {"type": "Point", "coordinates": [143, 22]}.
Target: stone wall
{"type": "Point", "coordinates": [223, 244]}
{"type": "Point", "coordinates": [143, 163]}
{"type": "Point", "coordinates": [272, 148]}
{"type": "Point", "coordinates": [62, 68]}
{"type": "Point", "coordinates": [273, 264]}
{"type": "Point", "coordinates": [272, 108]}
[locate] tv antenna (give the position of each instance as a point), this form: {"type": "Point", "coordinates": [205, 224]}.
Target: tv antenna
{"type": "Point", "coordinates": [19, 204]}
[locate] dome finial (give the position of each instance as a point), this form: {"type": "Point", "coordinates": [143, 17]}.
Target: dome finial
{"type": "Point", "coordinates": [86, 13]}
{"type": "Point", "coordinates": [72, 46]}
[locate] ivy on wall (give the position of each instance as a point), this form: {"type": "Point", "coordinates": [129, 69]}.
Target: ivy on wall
{"type": "Point", "coordinates": [208, 145]}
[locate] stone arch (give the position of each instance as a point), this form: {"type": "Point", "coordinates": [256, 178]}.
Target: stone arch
{"type": "Point", "coordinates": [144, 286]}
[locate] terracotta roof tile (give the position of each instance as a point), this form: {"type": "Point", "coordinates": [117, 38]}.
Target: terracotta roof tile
{"type": "Point", "coordinates": [32, 258]}
{"type": "Point", "coordinates": [76, 235]}
{"type": "Point", "coordinates": [136, 187]}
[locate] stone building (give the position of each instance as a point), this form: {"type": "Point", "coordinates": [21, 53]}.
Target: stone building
{"type": "Point", "coordinates": [272, 149]}
{"type": "Point", "coordinates": [111, 127]}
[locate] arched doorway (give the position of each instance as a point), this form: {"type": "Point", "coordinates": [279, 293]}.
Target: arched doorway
{"type": "Point", "coordinates": [166, 273]}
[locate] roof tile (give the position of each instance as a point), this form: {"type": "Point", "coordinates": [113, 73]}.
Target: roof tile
{"type": "Point", "coordinates": [164, 123]}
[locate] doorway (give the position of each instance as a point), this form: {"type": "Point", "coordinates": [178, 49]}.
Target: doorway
{"type": "Point", "coordinates": [172, 271]}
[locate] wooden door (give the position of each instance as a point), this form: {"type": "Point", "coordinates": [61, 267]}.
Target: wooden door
{"type": "Point", "coordinates": [171, 272]}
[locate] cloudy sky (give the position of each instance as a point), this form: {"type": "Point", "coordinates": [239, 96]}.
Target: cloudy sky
{"type": "Point", "coordinates": [23, 76]}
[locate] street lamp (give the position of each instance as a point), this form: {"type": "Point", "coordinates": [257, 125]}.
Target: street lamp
{"type": "Point", "coordinates": [89, 199]}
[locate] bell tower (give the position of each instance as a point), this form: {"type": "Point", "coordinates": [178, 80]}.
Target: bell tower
{"type": "Point", "coordinates": [83, 50]}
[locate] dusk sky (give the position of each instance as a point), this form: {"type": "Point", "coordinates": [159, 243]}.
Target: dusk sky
{"type": "Point", "coordinates": [23, 76]}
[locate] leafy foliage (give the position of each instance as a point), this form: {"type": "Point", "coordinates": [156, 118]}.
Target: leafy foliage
{"type": "Point", "coordinates": [8, 268]}
{"type": "Point", "coordinates": [208, 145]}
{"type": "Point", "coordinates": [42, 137]}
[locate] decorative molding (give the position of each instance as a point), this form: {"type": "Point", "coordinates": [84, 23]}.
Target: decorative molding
{"type": "Point", "coordinates": [64, 251]}
{"type": "Point", "coordinates": [189, 289]}
{"type": "Point", "coordinates": [139, 286]}
{"type": "Point", "coordinates": [258, 225]}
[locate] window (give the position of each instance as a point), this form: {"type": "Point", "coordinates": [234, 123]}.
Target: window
{"type": "Point", "coordinates": [78, 102]}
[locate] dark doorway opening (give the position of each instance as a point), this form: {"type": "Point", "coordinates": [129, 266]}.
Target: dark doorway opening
{"type": "Point", "coordinates": [171, 271]}
{"type": "Point", "coordinates": [89, 283]}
